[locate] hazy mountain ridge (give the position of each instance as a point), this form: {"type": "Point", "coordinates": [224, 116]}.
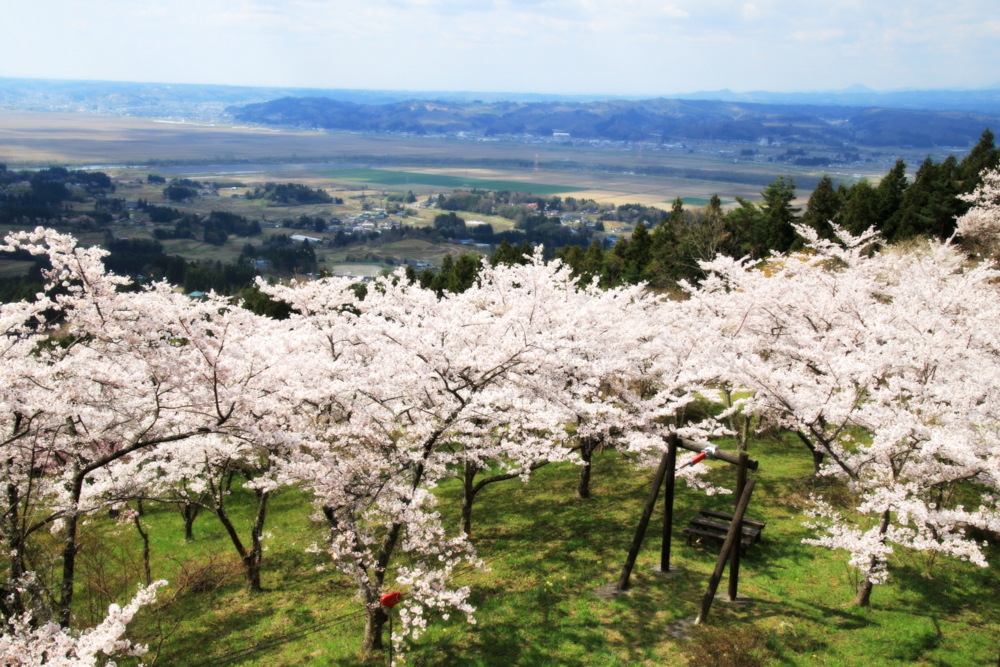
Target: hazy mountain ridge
{"type": "Point", "coordinates": [985, 101]}
{"type": "Point", "coordinates": [645, 120]}
{"type": "Point", "coordinates": [204, 101]}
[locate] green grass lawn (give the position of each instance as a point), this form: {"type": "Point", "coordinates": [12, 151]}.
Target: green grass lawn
{"type": "Point", "coordinates": [386, 177]}
{"type": "Point", "coordinates": [547, 551]}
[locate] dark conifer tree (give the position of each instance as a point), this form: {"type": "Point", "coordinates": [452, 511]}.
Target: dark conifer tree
{"type": "Point", "coordinates": [860, 212]}
{"type": "Point", "coordinates": [774, 232]}
{"type": "Point", "coordinates": [930, 204]}
{"type": "Point", "coordinates": [824, 208]}
{"type": "Point", "coordinates": [637, 255]}
{"type": "Point", "coordinates": [984, 156]}
{"type": "Point", "coordinates": [890, 195]}
{"type": "Point", "coordinates": [593, 261]}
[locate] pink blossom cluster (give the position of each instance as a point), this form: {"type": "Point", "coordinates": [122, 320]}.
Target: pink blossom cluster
{"type": "Point", "coordinates": [51, 645]}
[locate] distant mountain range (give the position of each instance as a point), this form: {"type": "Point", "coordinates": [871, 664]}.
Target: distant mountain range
{"type": "Point", "coordinates": [855, 115]}
{"type": "Point", "coordinates": [985, 101]}
{"type": "Point", "coordinates": [659, 120]}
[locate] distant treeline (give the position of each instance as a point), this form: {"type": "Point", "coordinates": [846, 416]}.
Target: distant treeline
{"type": "Point", "coordinates": [216, 227]}
{"type": "Point", "coordinates": [30, 197]}
{"type": "Point", "coordinates": [292, 194]}
{"type": "Point", "coordinates": [645, 120]}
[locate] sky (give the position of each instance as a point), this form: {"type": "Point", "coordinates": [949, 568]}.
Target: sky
{"type": "Point", "coordinates": [624, 47]}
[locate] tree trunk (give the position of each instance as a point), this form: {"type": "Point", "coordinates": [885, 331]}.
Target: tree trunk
{"type": "Point", "coordinates": [69, 551]}
{"type": "Point", "coordinates": [587, 454]}
{"type": "Point", "coordinates": [190, 512]}
{"type": "Point", "coordinates": [69, 571]}
{"type": "Point", "coordinates": [257, 546]}
{"type": "Point", "coordinates": [15, 549]}
{"type": "Point", "coordinates": [816, 452]}
{"type": "Point", "coordinates": [817, 461]}
{"type": "Point", "coordinates": [468, 496]}
{"type": "Point", "coordinates": [252, 557]}
{"type": "Point", "coordinates": [145, 550]}
{"type": "Point", "coordinates": [470, 487]}
{"type": "Point", "coordinates": [863, 598]}
{"type": "Point", "coordinates": [375, 618]}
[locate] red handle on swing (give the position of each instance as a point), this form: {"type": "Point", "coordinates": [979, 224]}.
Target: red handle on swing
{"type": "Point", "coordinates": [697, 459]}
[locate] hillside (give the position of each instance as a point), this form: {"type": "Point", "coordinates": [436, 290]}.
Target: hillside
{"type": "Point", "coordinates": [659, 120]}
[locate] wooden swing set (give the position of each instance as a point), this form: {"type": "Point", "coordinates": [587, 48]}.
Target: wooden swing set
{"type": "Point", "coordinates": [735, 532]}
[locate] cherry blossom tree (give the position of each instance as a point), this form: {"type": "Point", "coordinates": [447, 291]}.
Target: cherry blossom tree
{"type": "Point", "coordinates": [394, 382]}
{"type": "Point", "coordinates": [980, 226]}
{"type": "Point", "coordinates": [884, 365]}
{"type": "Point", "coordinates": [30, 645]}
{"type": "Point", "coordinates": [112, 375]}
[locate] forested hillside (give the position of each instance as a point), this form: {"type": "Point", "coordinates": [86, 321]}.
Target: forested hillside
{"type": "Point", "coordinates": [649, 120]}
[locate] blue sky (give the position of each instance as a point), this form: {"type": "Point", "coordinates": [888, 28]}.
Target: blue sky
{"type": "Point", "coordinates": [634, 47]}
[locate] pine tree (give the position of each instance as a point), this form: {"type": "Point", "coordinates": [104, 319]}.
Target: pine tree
{"type": "Point", "coordinates": [983, 157]}
{"type": "Point", "coordinates": [637, 255]}
{"type": "Point", "coordinates": [929, 205]}
{"type": "Point", "coordinates": [677, 216]}
{"type": "Point", "coordinates": [774, 231]}
{"type": "Point", "coordinates": [890, 195]}
{"type": "Point", "coordinates": [593, 261]}
{"type": "Point", "coordinates": [860, 212]}
{"type": "Point", "coordinates": [824, 207]}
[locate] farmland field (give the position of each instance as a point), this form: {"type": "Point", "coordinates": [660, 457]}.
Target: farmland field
{"type": "Point", "coordinates": [386, 177]}
{"type": "Point", "coordinates": [652, 175]}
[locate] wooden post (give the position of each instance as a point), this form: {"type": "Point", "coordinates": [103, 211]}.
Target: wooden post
{"type": "Point", "coordinates": [668, 502]}
{"type": "Point", "coordinates": [732, 542]}
{"type": "Point", "coordinates": [734, 558]}
{"type": "Point", "coordinates": [640, 531]}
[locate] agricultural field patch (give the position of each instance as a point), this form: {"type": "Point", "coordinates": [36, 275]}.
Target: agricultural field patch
{"type": "Point", "coordinates": [403, 178]}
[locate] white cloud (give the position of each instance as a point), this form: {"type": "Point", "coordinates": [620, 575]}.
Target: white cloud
{"type": "Point", "coordinates": [819, 35]}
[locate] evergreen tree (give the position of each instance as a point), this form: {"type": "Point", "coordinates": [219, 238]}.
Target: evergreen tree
{"type": "Point", "coordinates": [861, 205]}
{"type": "Point", "coordinates": [930, 204]}
{"type": "Point", "coordinates": [739, 224]}
{"type": "Point", "coordinates": [890, 195]}
{"type": "Point", "coordinates": [464, 273]}
{"type": "Point", "coordinates": [573, 257]}
{"type": "Point", "coordinates": [664, 254]}
{"type": "Point", "coordinates": [677, 215]}
{"type": "Point", "coordinates": [505, 253]}
{"type": "Point", "coordinates": [983, 157]}
{"type": "Point", "coordinates": [593, 261]}
{"type": "Point", "coordinates": [774, 232]}
{"type": "Point", "coordinates": [443, 277]}
{"type": "Point", "coordinates": [614, 264]}
{"type": "Point", "coordinates": [637, 255]}
{"type": "Point", "coordinates": [824, 207]}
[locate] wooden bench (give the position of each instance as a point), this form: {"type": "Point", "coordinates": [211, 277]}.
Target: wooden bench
{"type": "Point", "coordinates": [712, 525]}
{"type": "Point", "coordinates": [759, 525]}
{"type": "Point", "coordinates": [697, 533]}
{"type": "Point", "coordinates": [723, 527]}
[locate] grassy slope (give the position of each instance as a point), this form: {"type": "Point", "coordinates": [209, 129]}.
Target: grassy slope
{"type": "Point", "coordinates": [547, 550]}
